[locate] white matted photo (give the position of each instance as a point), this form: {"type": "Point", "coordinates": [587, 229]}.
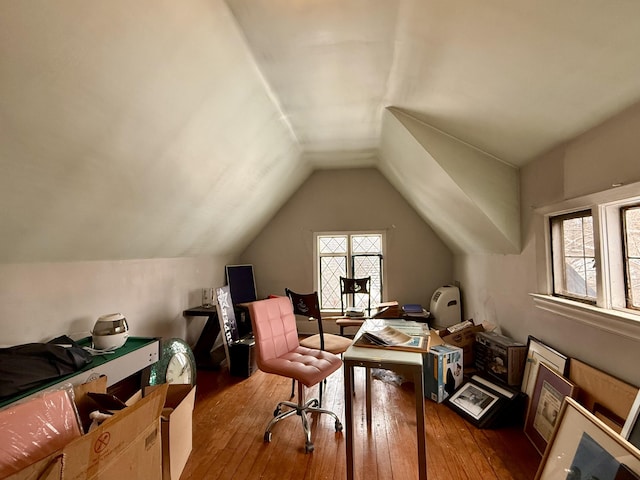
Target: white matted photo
{"type": "Point", "coordinates": [544, 405]}
{"type": "Point", "coordinates": [474, 400]}
{"type": "Point", "coordinates": [538, 352]}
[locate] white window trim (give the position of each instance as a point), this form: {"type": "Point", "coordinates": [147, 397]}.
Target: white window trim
{"type": "Point", "coordinates": [316, 273]}
{"type": "Point", "coordinates": [609, 313]}
{"type": "Point", "coordinates": [612, 321]}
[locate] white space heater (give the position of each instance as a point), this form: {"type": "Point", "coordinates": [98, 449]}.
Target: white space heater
{"type": "Point", "coordinates": [445, 307]}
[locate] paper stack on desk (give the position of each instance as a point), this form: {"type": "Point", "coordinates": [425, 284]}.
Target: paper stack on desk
{"type": "Point", "coordinates": [392, 338]}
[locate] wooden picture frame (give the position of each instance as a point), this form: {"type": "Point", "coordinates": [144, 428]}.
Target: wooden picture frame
{"type": "Point", "coordinates": [631, 428]}
{"type": "Point", "coordinates": [538, 352]}
{"type": "Point", "coordinates": [544, 405]}
{"type": "Point", "coordinates": [583, 442]}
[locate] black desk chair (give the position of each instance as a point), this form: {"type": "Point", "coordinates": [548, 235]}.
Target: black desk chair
{"type": "Point", "coordinates": [308, 305]}
{"type": "Point", "coordinates": [353, 287]}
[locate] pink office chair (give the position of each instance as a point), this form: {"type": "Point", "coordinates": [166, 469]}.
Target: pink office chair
{"type": "Point", "coordinates": [279, 352]}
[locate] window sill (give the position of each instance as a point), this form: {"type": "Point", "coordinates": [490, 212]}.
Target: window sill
{"type": "Point", "coordinates": [612, 321]}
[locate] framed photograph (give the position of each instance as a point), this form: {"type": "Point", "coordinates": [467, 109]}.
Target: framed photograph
{"type": "Point", "coordinates": [473, 399]}
{"type": "Point", "coordinates": [584, 447]}
{"type": "Point", "coordinates": [631, 428]}
{"type": "Point", "coordinates": [539, 352]}
{"type": "Point", "coordinates": [482, 402]}
{"type": "Point", "coordinates": [544, 405]}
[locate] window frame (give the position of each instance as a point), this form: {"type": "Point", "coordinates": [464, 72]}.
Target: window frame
{"type": "Point", "coordinates": [350, 260]}
{"type": "Point", "coordinates": [558, 261]}
{"type": "Point", "coordinates": [625, 256]}
{"type": "Point", "coordinates": [610, 312]}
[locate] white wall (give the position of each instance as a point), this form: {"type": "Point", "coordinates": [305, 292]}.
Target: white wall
{"type": "Point", "coordinates": [40, 301]}
{"type": "Point", "coordinates": [416, 261]}
{"type": "Point", "coordinates": [496, 287]}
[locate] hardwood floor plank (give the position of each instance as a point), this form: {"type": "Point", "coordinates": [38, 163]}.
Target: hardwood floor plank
{"type": "Point", "coordinates": [231, 414]}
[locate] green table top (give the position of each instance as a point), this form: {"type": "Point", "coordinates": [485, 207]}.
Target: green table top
{"type": "Point", "coordinates": [132, 343]}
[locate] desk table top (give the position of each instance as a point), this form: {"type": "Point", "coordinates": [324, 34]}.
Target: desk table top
{"type": "Point", "coordinates": [381, 355]}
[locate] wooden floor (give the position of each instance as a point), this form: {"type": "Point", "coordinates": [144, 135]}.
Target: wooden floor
{"type": "Point", "coordinates": [231, 414]}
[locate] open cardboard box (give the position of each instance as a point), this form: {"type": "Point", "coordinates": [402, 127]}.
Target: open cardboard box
{"type": "Point", "coordinates": [126, 446]}
{"type": "Point", "coordinates": [465, 339]}
{"type": "Point", "coordinates": [177, 424]}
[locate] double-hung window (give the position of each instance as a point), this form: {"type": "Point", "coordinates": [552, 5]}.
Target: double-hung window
{"type": "Point", "coordinates": [593, 261]}
{"type": "Point", "coordinates": [346, 254]}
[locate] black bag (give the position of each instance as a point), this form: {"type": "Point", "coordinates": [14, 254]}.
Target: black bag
{"type": "Point", "coordinates": [27, 366]}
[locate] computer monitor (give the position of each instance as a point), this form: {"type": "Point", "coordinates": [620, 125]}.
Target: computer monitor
{"type": "Point", "coordinates": [242, 284]}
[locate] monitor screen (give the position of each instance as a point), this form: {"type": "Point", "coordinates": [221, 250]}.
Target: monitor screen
{"type": "Point", "coordinates": [241, 283]}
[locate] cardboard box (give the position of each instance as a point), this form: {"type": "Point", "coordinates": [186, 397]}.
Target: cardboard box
{"type": "Point", "coordinates": [126, 446]}
{"type": "Point", "coordinates": [177, 427]}
{"type": "Point", "coordinates": [464, 339]}
{"type": "Point", "coordinates": [442, 368]}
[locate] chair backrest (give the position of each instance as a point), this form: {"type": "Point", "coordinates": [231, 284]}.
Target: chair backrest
{"type": "Point", "coordinates": [274, 328]}
{"type": "Point", "coordinates": [353, 286]}
{"type": "Point", "coordinates": [308, 305]}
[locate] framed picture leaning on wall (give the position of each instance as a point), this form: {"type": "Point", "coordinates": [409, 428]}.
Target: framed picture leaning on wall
{"type": "Point", "coordinates": [537, 352]}
{"type": "Point", "coordinates": [544, 405]}
{"type": "Point", "coordinates": [631, 428]}
{"type": "Point", "coordinates": [583, 447]}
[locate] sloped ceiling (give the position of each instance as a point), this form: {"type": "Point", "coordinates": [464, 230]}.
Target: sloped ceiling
{"type": "Point", "coordinates": [160, 129]}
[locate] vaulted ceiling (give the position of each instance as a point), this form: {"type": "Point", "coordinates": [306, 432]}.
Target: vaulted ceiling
{"type": "Point", "coordinates": [160, 129]}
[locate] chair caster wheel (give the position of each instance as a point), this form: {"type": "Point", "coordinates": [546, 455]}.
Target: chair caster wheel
{"type": "Point", "coordinates": [267, 437]}
{"type": "Point", "coordinates": [276, 412]}
{"type": "Point", "coordinates": [338, 426]}
{"type": "Point", "coordinates": [308, 447]}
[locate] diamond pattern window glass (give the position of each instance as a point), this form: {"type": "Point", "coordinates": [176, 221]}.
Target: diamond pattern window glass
{"type": "Point", "coordinates": [349, 255]}
{"type": "Point", "coordinates": [332, 244]}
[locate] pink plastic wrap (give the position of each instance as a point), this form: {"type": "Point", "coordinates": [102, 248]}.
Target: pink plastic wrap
{"type": "Point", "coordinates": [35, 428]}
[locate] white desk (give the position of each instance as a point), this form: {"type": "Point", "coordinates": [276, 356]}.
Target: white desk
{"type": "Point", "coordinates": [408, 364]}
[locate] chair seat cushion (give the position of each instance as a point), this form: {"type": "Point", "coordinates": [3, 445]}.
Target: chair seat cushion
{"type": "Point", "coordinates": [306, 365]}
{"type": "Point", "coordinates": [348, 322]}
{"type": "Point", "coordinates": [332, 343]}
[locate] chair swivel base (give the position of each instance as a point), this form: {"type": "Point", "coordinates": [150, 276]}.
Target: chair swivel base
{"type": "Point", "coordinates": [301, 409]}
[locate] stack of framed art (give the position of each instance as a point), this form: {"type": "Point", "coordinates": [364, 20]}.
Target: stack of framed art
{"type": "Point", "coordinates": [573, 418]}
{"type": "Point", "coordinates": [583, 447]}
{"type": "Point", "coordinates": [546, 387]}
{"type": "Point", "coordinates": [580, 419]}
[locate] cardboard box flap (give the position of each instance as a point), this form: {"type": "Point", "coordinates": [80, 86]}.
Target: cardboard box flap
{"type": "Point", "coordinates": [101, 446]}
{"type": "Point", "coordinates": [175, 394]}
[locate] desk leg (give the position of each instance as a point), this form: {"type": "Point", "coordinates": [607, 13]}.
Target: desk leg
{"type": "Point", "coordinates": [348, 413]}
{"type": "Point", "coordinates": [367, 373]}
{"type": "Point", "coordinates": [202, 350]}
{"type": "Point", "coordinates": [421, 432]}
